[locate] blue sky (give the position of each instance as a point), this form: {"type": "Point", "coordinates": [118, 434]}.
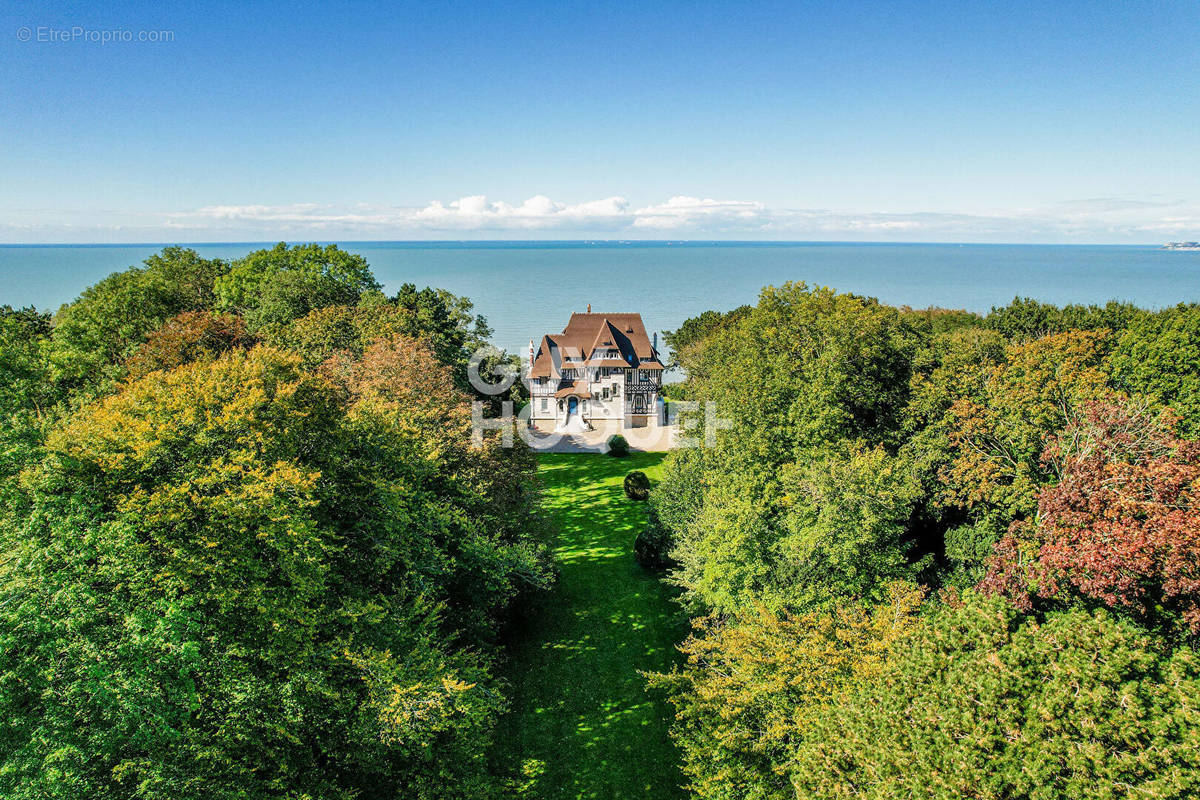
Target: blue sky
{"type": "Point", "coordinates": [1055, 121]}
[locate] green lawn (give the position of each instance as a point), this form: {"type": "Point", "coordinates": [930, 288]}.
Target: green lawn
{"type": "Point", "coordinates": [582, 724]}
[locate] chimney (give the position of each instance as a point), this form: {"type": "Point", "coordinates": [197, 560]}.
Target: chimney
{"type": "Point", "coordinates": [531, 353]}
{"type": "Point", "coordinates": [656, 341]}
{"type": "Point", "coordinates": [589, 308]}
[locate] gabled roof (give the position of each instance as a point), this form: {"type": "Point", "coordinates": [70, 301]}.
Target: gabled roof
{"type": "Point", "coordinates": [607, 336]}
{"type": "Point", "coordinates": [587, 333]}
{"type": "Point", "coordinates": [544, 366]}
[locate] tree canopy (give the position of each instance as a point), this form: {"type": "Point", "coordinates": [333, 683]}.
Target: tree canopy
{"type": "Point", "coordinates": [242, 569]}
{"type": "Point", "coordinates": [277, 285]}
{"type": "Point", "coordinates": [1040, 459]}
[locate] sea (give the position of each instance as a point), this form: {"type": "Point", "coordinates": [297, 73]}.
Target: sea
{"type": "Point", "coordinates": [526, 289]}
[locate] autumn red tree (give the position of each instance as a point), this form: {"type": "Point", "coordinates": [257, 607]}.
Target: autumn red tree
{"type": "Point", "coordinates": [1122, 526]}
{"type": "Point", "coordinates": [190, 336]}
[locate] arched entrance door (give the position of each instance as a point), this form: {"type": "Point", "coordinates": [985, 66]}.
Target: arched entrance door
{"type": "Point", "coordinates": [572, 406]}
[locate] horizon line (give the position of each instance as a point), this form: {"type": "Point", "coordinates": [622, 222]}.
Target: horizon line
{"type": "Point", "coordinates": [581, 241]}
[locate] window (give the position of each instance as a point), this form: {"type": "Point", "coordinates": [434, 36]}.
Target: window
{"type": "Point", "coordinates": [545, 404]}
{"type": "Point", "coordinates": [645, 376]}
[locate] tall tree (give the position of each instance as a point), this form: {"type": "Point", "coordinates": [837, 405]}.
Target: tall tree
{"type": "Point", "coordinates": [1158, 357]}
{"type": "Point", "coordinates": [1122, 525]}
{"type": "Point", "coordinates": [94, 334]}
{"type": "Point", "coordinates": [274, 286]}
{"type": "Point", "coordinates": [807, 376]}
{"type": "Point", "coordinates": [754, 682]}
{"type": "Point", "coordinates": [238, 578]}
{"type": "Point", "coordinates": [28, 396]}
{"type": "Point", "coordinates": [978, 702]}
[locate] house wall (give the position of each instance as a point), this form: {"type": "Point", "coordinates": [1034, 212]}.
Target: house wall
{"type": "Point", "coordinates": [622, 386]}
{"type": "Point", "coordinates": [539, 393]}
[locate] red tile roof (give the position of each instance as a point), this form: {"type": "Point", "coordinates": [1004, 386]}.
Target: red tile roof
{"type": "Point", "coordinates": [585, 333]}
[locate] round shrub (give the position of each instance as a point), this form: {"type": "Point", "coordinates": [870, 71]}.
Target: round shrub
{"type": "Point", "coordinates": [618, 447]}
{"type": "Point", "coordinates": [637, 485]}
{"type": "Point", "coordinates": [652, 547]}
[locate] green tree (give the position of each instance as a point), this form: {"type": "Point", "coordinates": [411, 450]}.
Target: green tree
{"type": "Point", "coordinates": [695, 329]}
{"type": "Point", "coordinates": [444, 320]}
{"type": "Point", "coordinates": [753, 684]}
{"type": "Point", "coordinates": [846, 523]}
{"type": "Point", "coordinates": [98, 331]}
{"type": "Point", "coordinates": [953, 367]}
{"type": "Point", "coordinates": [806, 373]}
{"type": "Point", "coordinates": [1025, 318]}
{"type": "Point", "coordinates": [1158, 357]}
{"type": "Point", "coordinates": [273, 287]}
{"type": "Point", "coordinates": [28, 397]}
{"type": "Point", "coordinates": [24, 361]}
{"type": "Point", "coordinates": [239, 579]}
{"type": "Point", "coordinates": [979, 702]}
{"type": "Point", "coordinates": [938, 321]}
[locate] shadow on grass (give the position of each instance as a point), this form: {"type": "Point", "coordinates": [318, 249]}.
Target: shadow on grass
{"type": "Point", "coordinates": [582, 724]}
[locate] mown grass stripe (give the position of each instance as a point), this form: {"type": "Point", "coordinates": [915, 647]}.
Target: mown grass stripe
{"type": "Point", "coordinates": [582, 723]}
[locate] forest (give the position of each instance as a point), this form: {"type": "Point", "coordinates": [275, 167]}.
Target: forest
{"type": "Point", "coordinates": [249, 550]}
{"type": "Point", "coordinates": [937, 554]}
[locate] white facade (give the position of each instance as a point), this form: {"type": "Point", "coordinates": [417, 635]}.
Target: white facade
{"type": "Point", "coordinates": [601, 369]}
{"type": "Point", "coordinates": [600, 393]}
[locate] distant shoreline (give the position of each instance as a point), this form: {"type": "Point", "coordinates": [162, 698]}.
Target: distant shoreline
{"type": "Point", "coordinates": [417, 244]}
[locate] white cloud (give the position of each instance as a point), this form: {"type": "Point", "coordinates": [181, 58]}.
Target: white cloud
{"type": "Point", "coordinates": [685, 213]}
{"type": "Point", "coordinates": [1116, 219]}
{"type": "Point", "coordinates": [477, 213]}
{"type": "Point", "coordinates": [538, 212]}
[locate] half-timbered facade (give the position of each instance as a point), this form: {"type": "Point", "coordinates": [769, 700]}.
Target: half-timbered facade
{"type": "Point", "coordinates": [601, 368]}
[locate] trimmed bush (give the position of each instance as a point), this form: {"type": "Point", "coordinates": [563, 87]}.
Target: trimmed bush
{"type": "Point", "coordinates": [618, 447]}
{"type": "Point", "coordinates": [653, 546]}
{"type": "Point", "coordinates": [637, 486]}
